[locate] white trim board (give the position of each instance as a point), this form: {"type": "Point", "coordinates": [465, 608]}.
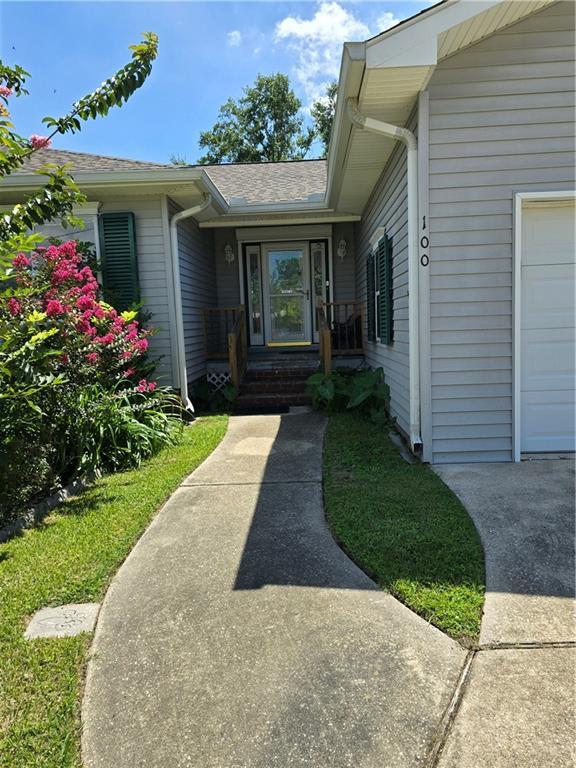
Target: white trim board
{"type": "Point", "coordinates": [521, 200]}
{"type": "Point", "coordinates": [283, 234]}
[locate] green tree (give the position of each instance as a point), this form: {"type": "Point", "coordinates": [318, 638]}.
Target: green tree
{"type": "Point", "coordinates": [264, 124]}
{"type": "Point", "coordinates": [322, 112]}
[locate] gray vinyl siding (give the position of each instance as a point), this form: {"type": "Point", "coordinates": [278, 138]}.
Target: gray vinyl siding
{"type": "Point", "coordinates": [388, 208]}
{"type": "Point", "coordinates": [227, 275]}
{"type": "Point", "coordinates": [197, 287]}
{"type": "Point", "coordinates": [344, 272]}
{"type": "Point", "coordinates": [151, 255]}
{"type": "Point", "coordinates": [501, 121]}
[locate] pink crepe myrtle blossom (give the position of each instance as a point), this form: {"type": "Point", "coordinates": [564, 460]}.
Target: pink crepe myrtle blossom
{"type": "Point", "coordinates": [5, 91]}
{"type": "Point", "coordinates": [141, 345]}
{"type": "Point", "coordinates": [39, 142]}
{"type": "Point", "coordinates": [54, 308]}
{"type": "Point", "coordinates": [85, 303]}
{"type": "Point", "coordinates": [14, 307]}
{"type": "Point", "coordinates": [92, 357]}
{"type": "Point", "coordinates": [145, 386]}
{"type": "Point", "coordinates": [107, 338]}
{"type": "Point", "coordinates": [129, 372]}
{"type": "Point", "coordinates": [126, 354]}
{"type": "Point", "coordinates": [20, 261]}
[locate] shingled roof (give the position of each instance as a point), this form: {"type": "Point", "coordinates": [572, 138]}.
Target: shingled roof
{"type": "Point", "coordinates": [241, 183]}
{"type": "Point", "coordinates": [253, 183]}
{"type": "Point", "coordinates": [83, 161]}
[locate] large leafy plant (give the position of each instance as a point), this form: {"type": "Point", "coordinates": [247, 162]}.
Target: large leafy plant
{"type": "Point", "coordinates": [364, 391]}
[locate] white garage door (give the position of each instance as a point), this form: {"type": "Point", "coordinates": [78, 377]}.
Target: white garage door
{"type": "Point", "coordinates": [548, 338]}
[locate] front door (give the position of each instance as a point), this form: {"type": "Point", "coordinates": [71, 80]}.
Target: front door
{"type": "Point", "coordinates": [286, 273]}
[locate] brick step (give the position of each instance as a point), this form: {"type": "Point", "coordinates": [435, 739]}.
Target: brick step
{"type": "Point", "coordinates": [272, 386]}
{"type": "Point", "coordinates": [278, 373]}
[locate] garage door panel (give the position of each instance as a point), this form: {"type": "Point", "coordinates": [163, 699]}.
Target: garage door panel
{"type": "Point", "coordinates": [548, 296]}
{"type": "Point", "coordinates": [551, 417]}
{"type": "Point", "coordinates": [549, 232]}
{"type": "Point", "coordinates": [547, 329]}
{"type": "Point", "coordinates": [548, 359]}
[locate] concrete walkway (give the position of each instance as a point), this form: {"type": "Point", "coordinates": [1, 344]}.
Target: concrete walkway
{"type": "Point", "coordinates": [238, 635]}
{"type": "Point", "coordinates": [518, 705]}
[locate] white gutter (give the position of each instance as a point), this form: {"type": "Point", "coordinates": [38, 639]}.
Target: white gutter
{"type": "Point", "coordinates": [180, 341]}
{"type": "Point", "coordinates": [408, 138]}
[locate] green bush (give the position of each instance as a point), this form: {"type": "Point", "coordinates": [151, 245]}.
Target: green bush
{"type": "Point", "coordinates": [73, 398]}
{"type": "Point", "coordinates": [363, 391]}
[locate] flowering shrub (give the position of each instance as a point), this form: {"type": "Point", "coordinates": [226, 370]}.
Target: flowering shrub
{"type": "Point", "coordinates": [68, 362]}
{"type": "Point", "coordinates": [55, 292]}
{"type": "Point", "coordinates": [74, 395]}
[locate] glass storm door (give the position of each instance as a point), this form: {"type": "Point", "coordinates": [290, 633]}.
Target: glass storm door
{"type": "Point", "coordinates": [287, 293]}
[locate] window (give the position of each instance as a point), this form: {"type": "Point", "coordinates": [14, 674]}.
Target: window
{"type": "Point", "coordinates": [380, 299]}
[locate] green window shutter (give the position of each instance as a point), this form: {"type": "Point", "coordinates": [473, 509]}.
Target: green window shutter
{"type": "Point", "coordinates": [385, 319]}
{"type": "Point", "coordinates": [118, 255]}
{"type": "Point", "coordinates": [370, 298]}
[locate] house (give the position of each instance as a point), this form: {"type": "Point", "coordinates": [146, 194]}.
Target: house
{"type": "Point", "coordinates": [437, 240]}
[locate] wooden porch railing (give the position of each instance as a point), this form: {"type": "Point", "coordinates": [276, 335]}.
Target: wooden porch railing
{"type": "Point", "coordinates": [340, 330]}
{"type": "Point", "coordinates": [238, 349]}
{"type": "Point", "coordinates": [346, 321]}
{"type": "Point", "coordinates": [225, 338]}
{"type": "Point", "coordinates": [324, 339]}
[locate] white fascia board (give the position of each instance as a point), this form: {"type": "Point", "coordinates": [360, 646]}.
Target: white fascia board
{"type": "Point", "coordinates": [145, 176]}
{"type": "Point", "coordinates": [88, 209]}
{"type": "Point", "coordinates": [287, 207]}
{"type": "Point", "coordinates": [281, 222]}
{"type": "Point", "coordinates": [416, 43]}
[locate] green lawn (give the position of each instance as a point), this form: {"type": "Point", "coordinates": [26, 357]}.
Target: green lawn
{"type": "Point", "coordinates": [71, 558]}
{"type": "Point", "coordinates": [403, 526]}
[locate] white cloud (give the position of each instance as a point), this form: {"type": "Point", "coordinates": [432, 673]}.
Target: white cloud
{"type": "Point", "coordinates": [234, 38]}
{"type": "Point", "coordinates": [318, 42]}
{"type": "Point", "coordinates": [387, 20]}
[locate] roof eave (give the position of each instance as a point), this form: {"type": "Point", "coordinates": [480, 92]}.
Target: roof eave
{"type": "Point", "coordinates": [350, 81]}
{"type": "Point", "coordinates": [149, 178]}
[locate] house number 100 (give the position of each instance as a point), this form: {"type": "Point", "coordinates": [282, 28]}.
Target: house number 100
{"type": "Point", "coordinates": [424, 243]}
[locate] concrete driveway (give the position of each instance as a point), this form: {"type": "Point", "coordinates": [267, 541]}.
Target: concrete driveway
{"type": "Point", "coordinates": [525, 516]}
{"type": "Point", "coordinates": [517, 703]}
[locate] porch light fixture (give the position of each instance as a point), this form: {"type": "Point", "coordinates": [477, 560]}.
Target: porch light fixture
{"type": "Point", "coordinates": [341, 250]}
{"type": "Point", "coordinates": [228, 253]}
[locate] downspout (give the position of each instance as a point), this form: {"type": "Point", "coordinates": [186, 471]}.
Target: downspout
{"type": "Point", "coordinates": [180, 341]}
{"type": "Point", "coordinates": [407, 138]}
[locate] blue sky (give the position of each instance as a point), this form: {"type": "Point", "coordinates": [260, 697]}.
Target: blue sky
{"type": "Point", "coordinates": [208, 52]}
